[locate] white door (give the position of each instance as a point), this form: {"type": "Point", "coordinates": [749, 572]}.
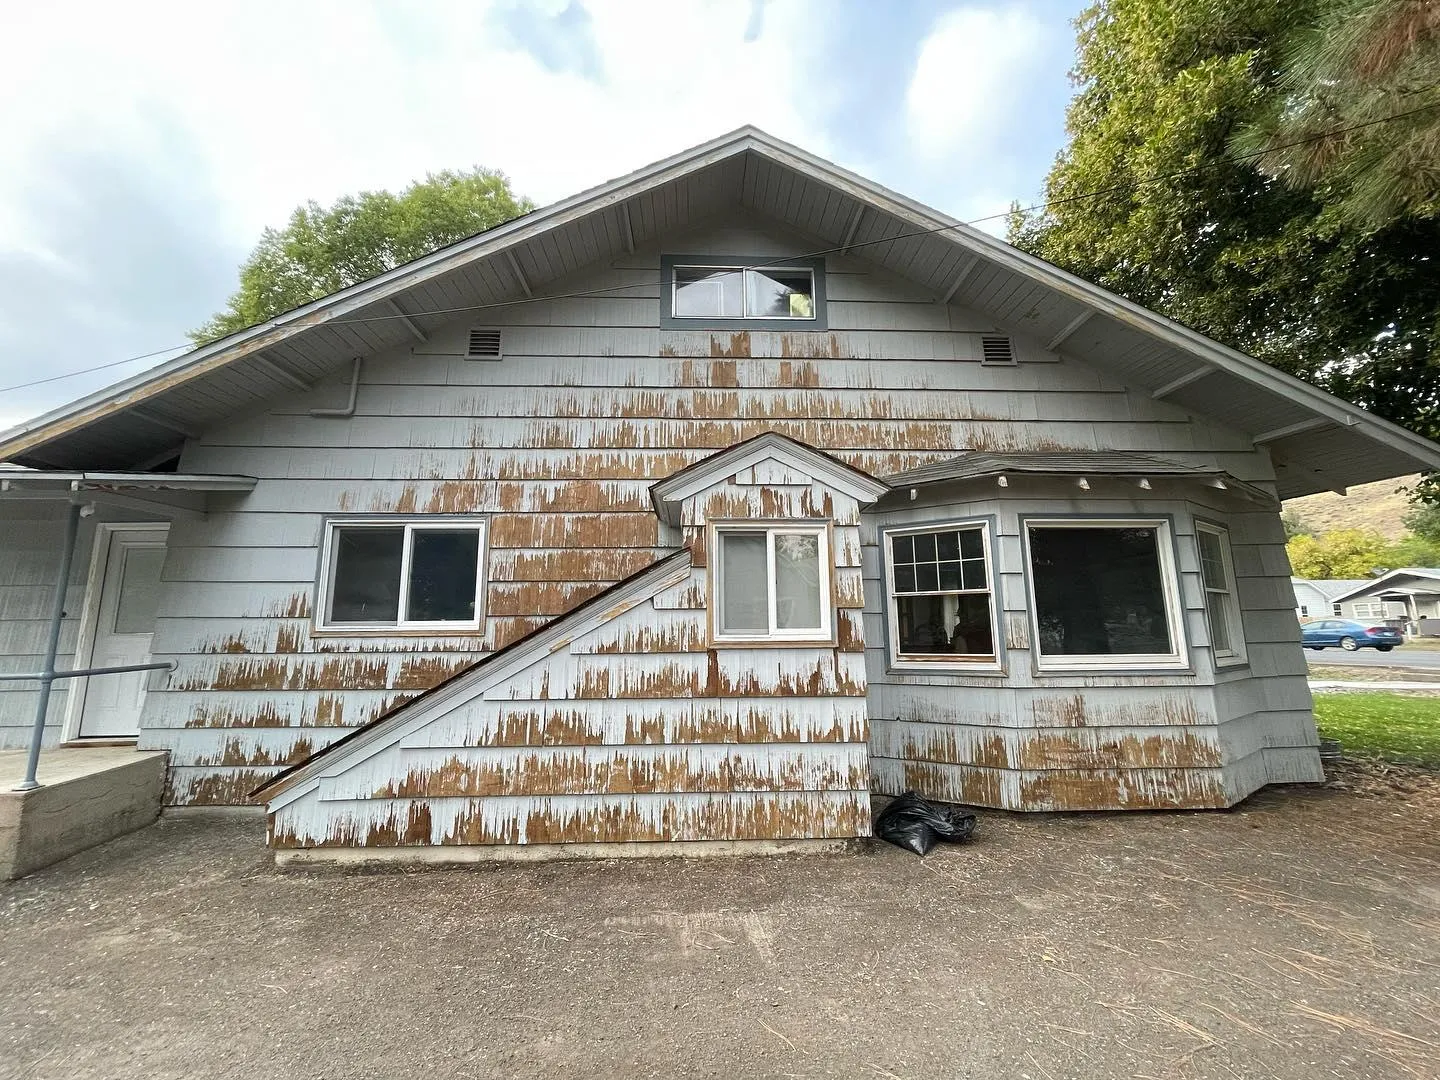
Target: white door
{"type": "Point", "coordinates": [124, 626]}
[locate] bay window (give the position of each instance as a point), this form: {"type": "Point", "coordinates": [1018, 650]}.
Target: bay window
{"type": "Point", "coordinates": [402, 574]}
{"type": "Point", "coordinates": [1104, 594]}
{"type": "Point", "coordinates": [1222, 606]}
{"type": "Point", "coordinates": [772, 582]}
{"type": "Point", "coordinates": [941, 597]}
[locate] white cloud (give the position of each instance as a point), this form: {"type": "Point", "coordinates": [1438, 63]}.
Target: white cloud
{"type": "Point", "coordinates": [285, 101]}
{"type": "Point", "coordinates": [972, 67]}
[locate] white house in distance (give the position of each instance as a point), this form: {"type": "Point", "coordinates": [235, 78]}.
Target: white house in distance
{"type": "Point", "coordinates": [1411, 594]}
{"type": "Point", "coordinates": [1319, 598]}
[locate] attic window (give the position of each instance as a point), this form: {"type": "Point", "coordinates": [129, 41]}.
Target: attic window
{"type": "Point", "coordinates": [741, 292]}
{"type": "Point", "coordinates": [484, 344]}
{"type": "Point", "coordinates": [997, 350]}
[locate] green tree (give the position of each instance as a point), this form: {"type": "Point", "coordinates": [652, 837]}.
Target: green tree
{"type": "Point", "coordinates": [1424, 521]}
{"type": "Point", "coordinates": [325, 249]}
{"type": "Point", "coordinates": [1340, 553]}
{"type": "Point", "coordinates": [1411, 551]}
{"type": "Point", "coordinates": [1356, 113]}
{"type": "Point", "coordinates": [1187, 228]}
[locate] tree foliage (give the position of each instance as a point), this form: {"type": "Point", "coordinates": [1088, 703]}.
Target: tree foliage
{"type": "Point", "coordinates": [325, 249]}
{"type": "Point", "coordinates": [1340, 553]}
{"type": "Point", "coordinates": [1188, 228]}
{"type": "Point", "coordinates": [1356, 111]}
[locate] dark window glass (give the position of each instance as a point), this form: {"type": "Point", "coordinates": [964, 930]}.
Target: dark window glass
{"type": "Point", "coordinates": [951, 620]}
{"type": "Point", "coordinates": [1098, 591]}
{"type": "Point", "coordinates": [365, 587]}
{"type": "Point", "coordinates": [958, 625]}
{"type": "Point", "coordinates": [443, 566]}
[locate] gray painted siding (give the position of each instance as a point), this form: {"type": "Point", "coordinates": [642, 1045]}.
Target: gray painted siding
{"type": "Point", "coordinates": [559, 442]}
{"type": "Point", "coordinates": [1025, 739]}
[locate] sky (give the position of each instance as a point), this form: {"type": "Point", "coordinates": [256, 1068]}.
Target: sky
{"type": "Point", "coordinates": [148, 144]}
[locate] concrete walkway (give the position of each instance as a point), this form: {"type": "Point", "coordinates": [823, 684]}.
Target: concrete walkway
{"type": "Point", "coordinates": [1333, 684]}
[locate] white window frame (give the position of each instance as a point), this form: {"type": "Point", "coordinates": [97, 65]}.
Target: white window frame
{"type": "Point", "coordinates": [1304, 611]}
{"type": "Point", "coordinates": [743, 271]}
{"type": "Point", "coordinates": [1370, 607]}
{"type": "Point", "coordinates": [1177, 658]}
{"type": "Point", "coordinates": [1337, 611]}
{"type": "Point", "coordinates": [929, 662]}
{"type": "Point", "coordinates": [410, 524]}
{"type": "Point", "coordinates": [806, 635]}
{"type": "Point", "coordinates": [1236, 654]}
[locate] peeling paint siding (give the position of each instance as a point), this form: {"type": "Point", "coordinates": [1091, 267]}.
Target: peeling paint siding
{"type": "Point", "coordinates": [632, 729]}
{"type": "Point", "coordinates": [557, 444]}
{"type": "Point", "coordinates": [1028, 740]}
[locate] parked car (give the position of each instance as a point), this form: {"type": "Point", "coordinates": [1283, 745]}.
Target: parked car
{"type": "Point", "coordinates": [1349, 635]}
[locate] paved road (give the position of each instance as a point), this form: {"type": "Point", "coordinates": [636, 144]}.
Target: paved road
{"type": "Point", "coordinates": [1404, 657]}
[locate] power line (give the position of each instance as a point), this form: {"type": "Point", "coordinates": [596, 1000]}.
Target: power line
{"type": "Point", "coordinates": [781, 260]}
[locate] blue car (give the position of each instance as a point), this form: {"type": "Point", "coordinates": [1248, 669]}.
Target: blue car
{"type": "Point", "coordinates": [1349, 635]}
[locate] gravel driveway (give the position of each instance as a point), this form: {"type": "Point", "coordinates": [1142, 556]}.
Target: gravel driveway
{"type": "Point", "coordinates": [1297, 936]}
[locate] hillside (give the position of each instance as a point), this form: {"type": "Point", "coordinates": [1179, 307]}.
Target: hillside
{"type": "Point", "coordinates": [1377, 506]}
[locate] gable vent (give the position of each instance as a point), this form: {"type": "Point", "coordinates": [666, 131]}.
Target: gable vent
{"type": "Point", "coordinates": [484, 344]}
{"type": "Point", "coordinates": [997, 350]}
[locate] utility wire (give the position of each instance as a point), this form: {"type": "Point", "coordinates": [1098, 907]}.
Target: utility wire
{"type": "Point", "coordinates": [781, 260]}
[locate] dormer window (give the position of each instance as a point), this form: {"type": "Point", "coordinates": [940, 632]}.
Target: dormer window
{"type": "Point", "coordinates": [742, 293]}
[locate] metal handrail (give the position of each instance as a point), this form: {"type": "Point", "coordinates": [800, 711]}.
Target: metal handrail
{"type": "Point", "coordinates": [46, 676]}
{"type": "Point", "coordinates": [40, 676]}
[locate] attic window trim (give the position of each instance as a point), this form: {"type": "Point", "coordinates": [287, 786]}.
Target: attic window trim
{"type": "Point", "coordinates": [814, 266]}
{"type": "Point", "coordinates": [484, 343]}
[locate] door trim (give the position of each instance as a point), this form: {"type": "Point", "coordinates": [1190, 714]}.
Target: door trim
{"type": "Point", "coordinates": [89, 616]}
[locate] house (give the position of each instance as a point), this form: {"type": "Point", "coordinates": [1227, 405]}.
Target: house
{"type": "Point", "coordinates": [695, 508]}
{"type": "Point", "coordinates": [1317, 599]}
{"type": "Point", "coordinates": [1409, 595]}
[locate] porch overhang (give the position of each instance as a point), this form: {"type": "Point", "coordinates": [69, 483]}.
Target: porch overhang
{"type": "Point", "coordinates": [166, 495]}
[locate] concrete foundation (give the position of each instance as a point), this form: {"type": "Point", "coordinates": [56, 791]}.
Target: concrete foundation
{"type": "Point", "coordinates": [461, 854]}
{"type": "Point", "coordinates": [88, 795]}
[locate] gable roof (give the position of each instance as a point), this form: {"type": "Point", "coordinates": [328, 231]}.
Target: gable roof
{"type": "Point", "coordinates": [1318, 441]}
{"type": "Point", "coordinates": [1332, 588]}
{"type": "Point", "coordinates": [1425, 573]}
{"type": "Point", "coordinates": [667, 494]}
{"type": "Point", "coordinates": [484, 673]}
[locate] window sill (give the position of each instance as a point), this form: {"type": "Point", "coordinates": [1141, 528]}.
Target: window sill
{"type": "Point", "coordinates": [1138, 668]}
{"type": "Point", "coordinates": [467, 630]}
{"type": "Point", "coordinates": [945, 667]}
{"type": "Point", "coordinates": [772, 643]}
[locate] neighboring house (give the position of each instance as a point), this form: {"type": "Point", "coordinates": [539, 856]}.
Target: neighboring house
{"type": "Point", "coordinates": [1319, 598]}
{"type": "Point", "coordinates": [697, 507]}
{"type": "Point", "coordinates": [1410, 594]}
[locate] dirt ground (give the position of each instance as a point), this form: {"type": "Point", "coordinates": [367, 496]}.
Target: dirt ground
{"type": "Point", "coordinates": [1295, 936]}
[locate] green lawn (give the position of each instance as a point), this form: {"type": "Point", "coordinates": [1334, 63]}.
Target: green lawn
{"type": "Point", "coordinates": [1396, 727]}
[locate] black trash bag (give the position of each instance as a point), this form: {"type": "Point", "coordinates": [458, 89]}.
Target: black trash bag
{"type": "Point", "coordinates": [918, 824]}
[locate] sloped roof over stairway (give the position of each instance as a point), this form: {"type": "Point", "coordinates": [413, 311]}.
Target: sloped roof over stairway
{"type": "Point", "coordinates": [474, 680]}
{"type": "Point", "coordinates": [1318, 442]}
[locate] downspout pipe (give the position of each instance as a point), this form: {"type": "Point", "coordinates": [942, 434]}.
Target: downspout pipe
{"type": "Point", "coordinates": [349, 409]}
{"type": "Point", "coordinates": [52, 646]}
